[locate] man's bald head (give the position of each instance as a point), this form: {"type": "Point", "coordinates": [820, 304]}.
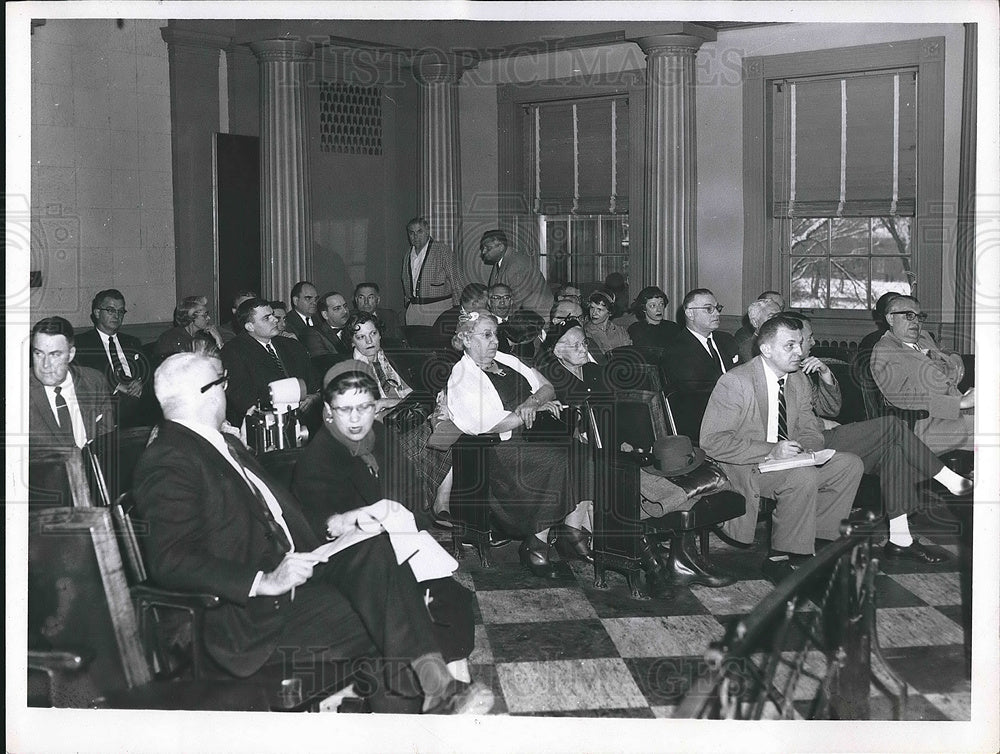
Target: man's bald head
{"type": "Point", "coordinates": [178, 383]}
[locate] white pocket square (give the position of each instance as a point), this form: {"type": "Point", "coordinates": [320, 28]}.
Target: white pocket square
{"type": "Point", "coordinates": [735, 359]}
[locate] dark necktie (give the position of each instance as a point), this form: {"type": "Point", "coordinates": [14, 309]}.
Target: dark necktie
{"type": "Point", "coordinates": [62, 415]}
{"type": "Point", "coordinates": [274, 357]}
{"type": "Point", "coordinates": [389, 387]}
{"type": "Point", "coordinates": [782, 415]}
{"type": "Point", "coordinates": [274, 528]}
{"type": "Point", "coordinates": [715, 354]}
{"type": "Point", "coordinates": [116, 363]}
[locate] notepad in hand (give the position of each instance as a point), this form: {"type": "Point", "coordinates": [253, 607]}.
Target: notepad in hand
{"type": "Point", "coordinates": [817, 458]}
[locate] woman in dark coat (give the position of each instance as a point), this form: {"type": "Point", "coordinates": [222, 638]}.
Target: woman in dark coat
{"type": "Point", "coordinates": [653, 329]}
{"type": "Point", "coordinates": [346, 467]}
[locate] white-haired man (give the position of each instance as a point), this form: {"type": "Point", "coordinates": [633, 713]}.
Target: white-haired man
{"type": "Point", "coordinates": [219, 523]}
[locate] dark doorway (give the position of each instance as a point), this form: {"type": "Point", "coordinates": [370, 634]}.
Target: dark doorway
{"type": "Point", "coordinates": [237, 170]}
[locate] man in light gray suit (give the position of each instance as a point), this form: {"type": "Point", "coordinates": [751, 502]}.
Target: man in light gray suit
{"type": "Point", "coordinates": [762, 411]}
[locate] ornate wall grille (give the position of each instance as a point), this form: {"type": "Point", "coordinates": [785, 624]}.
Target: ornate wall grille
{"type": "Point", "coordinates": [350, 118]}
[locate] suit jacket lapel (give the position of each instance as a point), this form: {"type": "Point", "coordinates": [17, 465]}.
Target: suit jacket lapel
{"type": "Point", "coordinates": [760, 390]}
{"type": "Point", "coordinates": [37, 395]}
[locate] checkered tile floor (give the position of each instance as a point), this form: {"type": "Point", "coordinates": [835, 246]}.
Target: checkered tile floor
{"type": "Point", "coordinates": [562, 647]}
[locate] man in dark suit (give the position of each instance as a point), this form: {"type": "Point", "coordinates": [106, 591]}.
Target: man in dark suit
{"type": "Point", "coordinates": [120, 357]}
{"type": "Point", "coordinates": [518, 330]}
{"type": "Point", "coordinates": [518, 272]}
{"type": "Point", "coordinates": [324, 338]}
{"type": "Point", "coordinates": [430, 283]}
{"type": "Point", "coordinates": [699, 354]}
{"type": "Point", "coordinates": [219, 523]}
{"type": "Point", "coordinates": [68, 405]}
{"type": "Point", "coordinates": [761, 411]}
{"type": "Point", "coordinates": [303, 314]}
{"type": "Point", "coordinates": [257, 356]}
{"type": "Point", "coordinates": [367, 297]}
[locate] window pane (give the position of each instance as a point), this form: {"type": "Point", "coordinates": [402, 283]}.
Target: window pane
{"type": "Point", "coordinates": [586, 242]}
{"type": "Point", "coordinates": [890, 274]}
{"type": "Point", "coordinates": [556, 251]}
{"type": "Point", "coordinates": [810, 276]}
{"type": "Point", "coordinates": [809, 236]}
{"type": "Point", "coordinates": [849, 283]}
{"type": "Point", "coordinates": [891, 235]}
{"type": "Point", "coordinates": [849, 236]}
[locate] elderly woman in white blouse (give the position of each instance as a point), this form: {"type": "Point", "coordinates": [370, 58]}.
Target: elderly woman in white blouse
{"type": "Point", "coordinates": [495, 393]}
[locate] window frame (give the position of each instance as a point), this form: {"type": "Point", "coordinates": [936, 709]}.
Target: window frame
{"type": "Point", "coordinates": [763, 260]}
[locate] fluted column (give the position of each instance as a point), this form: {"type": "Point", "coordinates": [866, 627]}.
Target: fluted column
{"type": "Point", "coordinates": [440, 172]}
{"type": "Point", "coordinates": [670, 159]}
{"type": "Point", "coordinates": [285, 211]}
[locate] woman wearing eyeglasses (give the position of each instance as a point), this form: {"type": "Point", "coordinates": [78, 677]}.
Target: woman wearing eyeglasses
{"type": "Point", "coordinates": [191, 322]}
{"type": "Point", "coordinates": [345, 467]}
{"type": "Point", "coordinates": [652, 329]}
{"type": "Point", "coordinates": [493, 393]}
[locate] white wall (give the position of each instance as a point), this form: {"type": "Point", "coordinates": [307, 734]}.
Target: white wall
{"type": "Point", "coordinates": [101, 196]}
{"type": "Point", "coordinates": [720, 146]}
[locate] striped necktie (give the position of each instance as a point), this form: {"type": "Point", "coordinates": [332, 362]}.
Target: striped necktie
{"type": "Point", "coordinates": [62, 414]}
{"type": "Point", "coordinates": [274, 357]}
{"type": "Point", "coordinates": [121, 372]}
{"type": "Point", "coordinates": [782, 414]}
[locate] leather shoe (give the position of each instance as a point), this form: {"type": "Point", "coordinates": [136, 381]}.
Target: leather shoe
{"type": "Point", "coordinates": [463, 699]}
{"type": "Point", "coordinates": [687, 571]}
{"type": "Point", "coordinates": [916, 552]}
{"type": "Point", "coordinates": [777, 571]}
{"type": "Point", "coordinates": [535, 556]}
{"type": "Point", "coordinates": [443, 520]}
{"type": "Point", "coordinates": [658, 583]}
{"type": "Point", "coordinates": [573, 543]}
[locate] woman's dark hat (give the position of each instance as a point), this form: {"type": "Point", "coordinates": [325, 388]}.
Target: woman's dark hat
{"type": "Point", "coordinates": [347, 365]}
{"type": "Point", "coordinates": [555, 332]}
{"type": "Point", "coordinates": [675, 456]}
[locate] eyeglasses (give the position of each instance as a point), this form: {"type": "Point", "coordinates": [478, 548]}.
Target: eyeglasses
{"type": "Point", "coordinates": [363, 408]}
{"type": "Point", "coordinates": [112, 310]}
{"type": "Point", "coordinates": [709, 309]}
{"type": "Point", "coordinates": [223, 380]}
{"type": "Point", "coordinates": [501, 298]}
{"type": "Point", "coordinates": [911, 315]}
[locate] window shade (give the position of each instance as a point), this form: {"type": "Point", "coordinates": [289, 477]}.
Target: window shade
{"type": "Point", "coordinates": [578, 156]}
{"type": "Point", "coordinates": [845, 146]}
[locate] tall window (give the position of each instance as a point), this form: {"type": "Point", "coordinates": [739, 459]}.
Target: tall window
{"type": "Point", "coordinates": [844, 182]}
{"type": "Point", "coordinates": [577, 166]}
{"type": "Point", "coordinates": [843, 175]}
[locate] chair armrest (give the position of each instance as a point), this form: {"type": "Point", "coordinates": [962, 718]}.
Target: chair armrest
{"type": "Point", "coordinates": [908, 415]}
{"type": "Point", "coordinates": [59, 661]}
{"type": "Point", "coordinates": [155, 596]}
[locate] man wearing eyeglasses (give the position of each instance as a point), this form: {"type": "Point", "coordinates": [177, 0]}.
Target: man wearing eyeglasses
{"type": "Point", "coordinates": [118, 356]}
{"type": "Point", "coordinates": [913, 373]}
{"type": "Point", "coordinates": [219, 523]}
{"type": "Point", "coordinates": [518, 331]}
{"type": "Point", "coordinates": [699, 355]}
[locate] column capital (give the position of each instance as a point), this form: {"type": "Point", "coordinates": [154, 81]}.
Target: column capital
{"type": "Point", "coordinates": [278, 50]}
{"type": "Point", "coordinates": [240, 53]}
{"type": "Point", "coordinates": [189, 38]}
{"type": "Point", "coordinates": [435, 68]}
{"type": "Point", "coordinates": [670, 44]}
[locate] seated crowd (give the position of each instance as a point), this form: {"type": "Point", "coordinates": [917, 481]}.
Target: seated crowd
{"type": "Point", "coordinates": [509, 357]}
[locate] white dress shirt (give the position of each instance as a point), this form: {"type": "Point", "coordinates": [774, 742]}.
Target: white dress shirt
{"type": "Point", "coordinates": [417, 264]}
{"type": "Point", "coordinates": [217, 441]}
{"type": "Point", "coordinates": [118, 347]}
{"type": "Point", "coordinates": [703, 339]}
{"type": "Point", "coordinates": [76, 417]}
{"type": "Point", "coordinates": [771, 378]}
